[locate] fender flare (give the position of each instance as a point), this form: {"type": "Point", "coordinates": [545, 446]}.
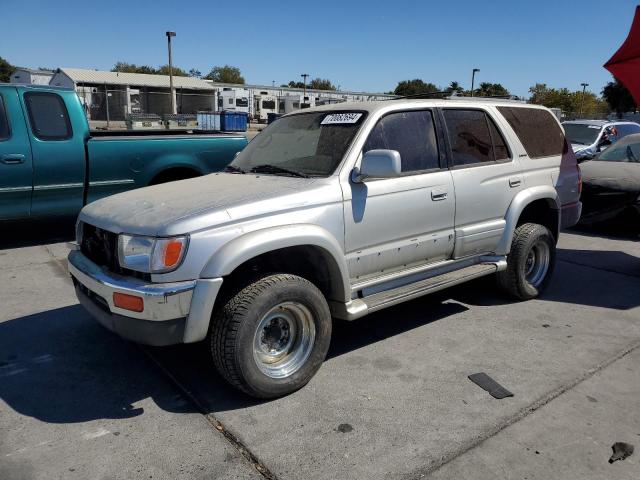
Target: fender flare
{"type": "Point", "coordinates": [518, 204]}
{"type": "Point", "coordinates": [250, 245]}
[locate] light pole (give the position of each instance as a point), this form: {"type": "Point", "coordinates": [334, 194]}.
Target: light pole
{"type": "Point", "coordinates": [584, 87]}
{"type": "Point", "coordinates": [304, 87]}
{"type": "Point", "coordinates": [473, 78]}
{"type": "Point", "coordinates": [172, 92]}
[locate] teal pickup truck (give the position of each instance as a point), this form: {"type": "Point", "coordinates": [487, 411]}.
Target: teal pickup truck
{"type": "Point", "coordinates": [51, 164]}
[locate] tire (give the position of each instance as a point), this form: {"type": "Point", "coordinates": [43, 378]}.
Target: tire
{"type": "Point", "coordinates": [530, 263]}
{"type": "Point", "coordinates": [270, 339]}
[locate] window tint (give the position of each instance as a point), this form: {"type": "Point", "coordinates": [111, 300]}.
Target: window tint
{"type": "Point", "coordinates": [627, 129]}
{"type": "Point", "coordinates": [537, 129]}
{"type": "Point", "coordinates": [412, 134]}
{"type": "Point", "coordinates": [500, 149]}
{"type": "Point", "coordinates": [4, 123]}
{"type": "Point", "coordinates": [48, 116]}
{"type": "Point", "coordinates": [469, 136]}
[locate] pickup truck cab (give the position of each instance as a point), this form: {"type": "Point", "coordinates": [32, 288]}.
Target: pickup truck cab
{"type": "Point", "coordinates": [336, 211]}
{"type": "Point", "coordinates": [51, 164]}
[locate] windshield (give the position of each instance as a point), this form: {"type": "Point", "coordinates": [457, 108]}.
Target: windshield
{"type": "Point", "coordinates": [581, 133]}
{"type": "Point", "coordinates": [621, 152]}
{"type": "Point", "coordinates": [309, 144]}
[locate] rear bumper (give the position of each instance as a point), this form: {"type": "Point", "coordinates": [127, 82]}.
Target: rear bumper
{"type": "Point", "coordinates": [570, 214]}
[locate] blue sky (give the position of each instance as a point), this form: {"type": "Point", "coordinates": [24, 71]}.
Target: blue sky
{"type": "Point", "coordinates": [359, 45]}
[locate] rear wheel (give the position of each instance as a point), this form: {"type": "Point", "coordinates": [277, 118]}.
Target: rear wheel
{"type": "Point", "coordinates": [530, 263]}
{"type": "Point", "coordinates": [271, 338]}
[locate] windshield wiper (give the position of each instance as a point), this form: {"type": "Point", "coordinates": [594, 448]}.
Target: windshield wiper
{"type": "Point", "coordinates": [268, 168]}
{"type": "Point", "coordinates": [233, 169]}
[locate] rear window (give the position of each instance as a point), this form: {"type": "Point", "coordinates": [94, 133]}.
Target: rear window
{"type": "Point", "coordinates": [537, 129]}
{"type": "Point", "coordinates": [4, 123]}
{"type": "Point", "coordinates": [48, 116]}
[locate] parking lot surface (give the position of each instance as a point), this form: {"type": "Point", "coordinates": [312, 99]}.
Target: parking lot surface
{"type": "Point", "coordinates": [391, 401]}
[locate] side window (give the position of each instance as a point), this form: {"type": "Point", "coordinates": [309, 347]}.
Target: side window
{"type": "Point", "coordinates": [48, 116]}
{"type": "Point", "coordinates": [500, 149]}
{"type": "Point", "coordinates": [537, 129]}
{"type": "Point", "coordinates": [5, 132]}
{"type": "Point", "coordinates": [412, 134]}
{"type": "Point", "coordinates": [627, 129]}
{"type": "Point", "coordinates": [469, 136]}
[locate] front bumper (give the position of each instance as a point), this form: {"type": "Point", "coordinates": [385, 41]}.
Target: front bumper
{"type": "Point", "coordinates": [173, 313]}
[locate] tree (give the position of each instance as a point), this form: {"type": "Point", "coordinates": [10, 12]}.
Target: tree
{"type": "Point", "coordinates": [225, 74]}
{"type": "Point", "coordinates": [572, 103]}
{"type": "Point", "coordinates": [491, 90]}
{"type": "Point", "coordinates": [195, 73]}
{"type": "Point", "coordinates": [321, 84]}
{"type": "Point", "coordinates": [6, 69]}
{"type": "Point", "coordinates": [177, 72]}
{"type": "Point", "coordinates": [414, 87]}
{"type": "Point", "coordinates": [455, 88]}
{"type": "Point", "coordinates": [293, 84]}
{"type": "Point", "coordinates": [125, 67]}
{"type": "Point", "coordinates": [618, 97]}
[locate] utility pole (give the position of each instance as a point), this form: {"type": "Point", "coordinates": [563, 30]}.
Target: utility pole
{"type": "Point", "coordinates": [172, 92]}
{"type": "Point", "coordinates": [304, 87]}
{"type": "Point", "coordinates": [473, 78]}
{"type": "Point", "coordinates": [584, 87]}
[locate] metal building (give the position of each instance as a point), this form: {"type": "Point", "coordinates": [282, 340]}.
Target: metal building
{"type": "Point", "coordinates": [31, 76]}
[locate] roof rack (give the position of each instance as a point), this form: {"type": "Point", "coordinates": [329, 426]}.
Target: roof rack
{"type": "Point", "coordinates": [448, 96]}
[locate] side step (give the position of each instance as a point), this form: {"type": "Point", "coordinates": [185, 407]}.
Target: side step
{"type": "Point", "coordinates": [362, 306]}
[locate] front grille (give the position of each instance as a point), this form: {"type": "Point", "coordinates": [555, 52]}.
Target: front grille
{"type": "Point", "coordinates": [101, 247]}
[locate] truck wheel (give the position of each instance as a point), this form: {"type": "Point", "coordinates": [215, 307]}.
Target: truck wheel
{"type": "Point", "coordinates": [270, 338]}
{"type": "Point", "coordinates": [530, 263]}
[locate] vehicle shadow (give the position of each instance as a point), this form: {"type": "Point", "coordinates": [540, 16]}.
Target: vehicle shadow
{"type": "Point", "coordinates": [60, 366]}
{"type": "Point", "coordinates": [27, 233]}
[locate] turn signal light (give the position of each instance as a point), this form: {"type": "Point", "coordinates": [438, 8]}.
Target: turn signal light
{"type": "Point", "coordinates": [172, 253]}
{"type": "Point", "coordinates": [128, 302]}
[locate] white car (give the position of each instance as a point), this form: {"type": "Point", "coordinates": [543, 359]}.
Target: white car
{"type": "Point", "coordinates": [589, 137]}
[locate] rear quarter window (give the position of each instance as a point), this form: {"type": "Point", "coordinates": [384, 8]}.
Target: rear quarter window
{"type": "Point", "coordinates": [537, 129]}
{"type": "Point", "coordinates": [48, 116]}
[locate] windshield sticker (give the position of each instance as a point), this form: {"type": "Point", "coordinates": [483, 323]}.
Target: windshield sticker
{"type": "Point", "coordinates": [337, 118]}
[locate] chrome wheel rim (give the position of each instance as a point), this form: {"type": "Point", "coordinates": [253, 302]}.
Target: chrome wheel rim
{"type": "Point", "coordinates": [537, 262]}
{"type": "Point", "coordinates": [284, 339]}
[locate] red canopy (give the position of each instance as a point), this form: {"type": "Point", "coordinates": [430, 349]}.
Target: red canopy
{"type": "Point", "coordinates": [625, 63]}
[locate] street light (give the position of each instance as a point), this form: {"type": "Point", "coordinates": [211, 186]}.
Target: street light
{"type": "Point", "coordinates": [584, 87]}
{"type": "Point", "coordinates": [304, 87]}
{"type": "Point", "coordinates": [473, 78]}
{"type": "Point", "coordinates": [171, 89]}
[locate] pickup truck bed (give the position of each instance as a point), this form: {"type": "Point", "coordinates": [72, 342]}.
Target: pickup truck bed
{"type": "Point", "coordinates": [51, 164]}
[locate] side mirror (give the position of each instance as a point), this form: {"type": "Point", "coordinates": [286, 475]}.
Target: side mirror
{"type": "Point", "coordinates": [378, 164]}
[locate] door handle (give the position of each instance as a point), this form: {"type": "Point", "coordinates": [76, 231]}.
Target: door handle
{"type": "Point", "coordinates": [12, 158]}
{"type": "Point", "coordinates": [514, 182]}
{"type": "Point", "coordinates": [437, 196]}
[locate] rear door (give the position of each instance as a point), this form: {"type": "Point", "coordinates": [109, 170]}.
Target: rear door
{"type": "Point", "coordinates": [58, 156]}
{"type": "Point", "coordinates": [486, 176]}
{"type": "Point", "coordinates": [16, 168]}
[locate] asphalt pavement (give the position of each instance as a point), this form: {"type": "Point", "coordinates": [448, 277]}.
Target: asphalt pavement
{"type": "Point", "coordinates": [392, 400]}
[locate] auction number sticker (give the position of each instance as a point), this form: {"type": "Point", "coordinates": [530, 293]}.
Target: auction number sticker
{"type": "Point", "coordinates": [337, 118]}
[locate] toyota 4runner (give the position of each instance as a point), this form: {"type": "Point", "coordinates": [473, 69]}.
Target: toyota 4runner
{"type": "Point", "coordinates": [336, 211]}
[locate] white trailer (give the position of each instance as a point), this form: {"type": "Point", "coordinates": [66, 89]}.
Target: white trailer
{"type": "Point", "coordinates": [263, 105]}
{"type": "Point", "coordinates": [236, 99]}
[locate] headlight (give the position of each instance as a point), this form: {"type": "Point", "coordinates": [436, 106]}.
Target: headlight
{"type": "Point", "coordinates": [149, 254]}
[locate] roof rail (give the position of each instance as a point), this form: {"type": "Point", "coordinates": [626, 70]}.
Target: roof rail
{"type": "Point", "coordinates": [445, 95]}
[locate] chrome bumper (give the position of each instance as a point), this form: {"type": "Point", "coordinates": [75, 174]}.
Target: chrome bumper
{"type": "Point", "coordinates": [162, 301]}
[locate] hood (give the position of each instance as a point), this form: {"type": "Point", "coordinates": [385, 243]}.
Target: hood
{"type": "Point", "coordinates": [612, 176]}
{"type": "Point", "coordinates": [188, 205]}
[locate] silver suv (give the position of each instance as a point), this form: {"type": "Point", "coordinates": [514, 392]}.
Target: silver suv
{"type": "Point", "coordinates": [336, 211]}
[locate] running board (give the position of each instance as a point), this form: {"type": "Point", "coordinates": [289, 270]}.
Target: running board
{"type": "Point", "coordinates": [362, 306]}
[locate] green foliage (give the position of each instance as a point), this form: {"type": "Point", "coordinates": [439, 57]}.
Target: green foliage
{"type": "Point", "coordinates": [177, 72]}
{"type": "Point", "coordinates": [6, 69]}
{"type": "Point", "coordinates": [226, 74]}
{"type": "Point", "coordinates": [125, 67]}
{"type": "Point", "coordinates": [293, 84]}
{"type": "Point", "coordinates": [618, 97]}
{"type": "Point", "coordinates": [455, 87]}
{"type": "Point", "coordinates": [414, 87]}
{"type": "Point", "coordinates": [321, 84]}
{"type": "Point", "coordinates": [487, 89]}
{"type": "Point", "coordinates": [568, 101]}
{"type": "Point", "coordinates": [195, 73]}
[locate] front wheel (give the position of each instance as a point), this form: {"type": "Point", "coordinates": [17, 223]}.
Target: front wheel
{"type": "Point", "coordinates": [272, 337]}
{"type": "Point", "coordinates": [530, 263]}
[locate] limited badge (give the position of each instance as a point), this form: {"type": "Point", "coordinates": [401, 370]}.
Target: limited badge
{"type": "Point", "coordinates": [337, 118]}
